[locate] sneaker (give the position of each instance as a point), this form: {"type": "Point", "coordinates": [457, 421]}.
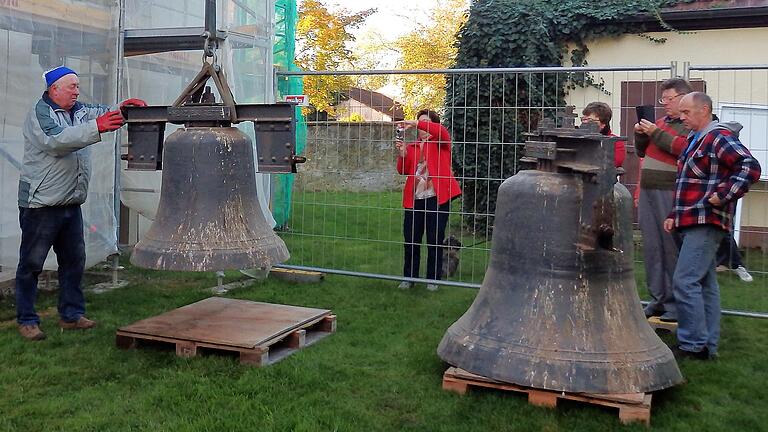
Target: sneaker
{"type": "Point", "coordinates": [31, 332]}
{"type": "Point", "coordinates": [82, 323]}
{"type": "Point", "coordinates": [721, 268]}
{"type": "Point", "coordinates": [432, 287]}
{"type": "Point", "coordinates": [405, 285]}
{"type": "Point", "coordinates": [680, 354]}
{"type": "Point", "coordinates": [743, 274]}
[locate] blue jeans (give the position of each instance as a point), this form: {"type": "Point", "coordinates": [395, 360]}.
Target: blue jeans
{"type": "Point", "coordinates": [696, 290]}
{"type": "Point", "coordinates": [41, 229]}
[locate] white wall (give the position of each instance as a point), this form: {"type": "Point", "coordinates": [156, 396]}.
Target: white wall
{"type": "Point", "coordinates": [706, 47]}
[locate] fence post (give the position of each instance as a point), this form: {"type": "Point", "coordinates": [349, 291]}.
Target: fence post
{"type": "Point", "coordinates": [686, 71]}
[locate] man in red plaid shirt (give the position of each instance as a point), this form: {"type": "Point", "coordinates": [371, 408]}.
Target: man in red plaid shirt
{"type": "Point", "coordinates": [713, 171]}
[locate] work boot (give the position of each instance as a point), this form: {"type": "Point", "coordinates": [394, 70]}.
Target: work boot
{"type": "Point", "coordinates": [82, 323]}
{"type": "Point", "coordinates": [31, 332]}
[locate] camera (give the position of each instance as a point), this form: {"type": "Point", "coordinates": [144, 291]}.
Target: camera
{"type": "Point", "coordinates": [399, 133]}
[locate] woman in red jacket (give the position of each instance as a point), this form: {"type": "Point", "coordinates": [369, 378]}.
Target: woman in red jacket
{"type": "Point", "coordinates": [429, 189]}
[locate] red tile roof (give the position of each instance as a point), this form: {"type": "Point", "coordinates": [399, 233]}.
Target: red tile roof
{"type": "Point", "coordinates": [377, 101]}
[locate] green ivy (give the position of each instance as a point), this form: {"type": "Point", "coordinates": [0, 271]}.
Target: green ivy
{"type": "Point", "coordinates": [487, 113]}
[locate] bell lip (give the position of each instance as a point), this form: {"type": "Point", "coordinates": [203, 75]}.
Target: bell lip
{"type": "Point", "coordinates": [639, 375]}
{"type": "Point", "coordinates": [200, 260]}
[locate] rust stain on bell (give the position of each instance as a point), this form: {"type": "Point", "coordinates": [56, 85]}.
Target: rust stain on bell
{"type": "Point", "coordinates": [558, 308]}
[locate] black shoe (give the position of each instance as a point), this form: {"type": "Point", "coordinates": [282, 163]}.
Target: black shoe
{"type": "Point", "coordinates": [652, 312]}
{"type": "Point", "coordinates": [692, 355]}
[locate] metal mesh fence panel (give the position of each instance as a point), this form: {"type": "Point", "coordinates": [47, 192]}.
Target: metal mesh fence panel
{"type": "Point", "coordinates": [347, 207]}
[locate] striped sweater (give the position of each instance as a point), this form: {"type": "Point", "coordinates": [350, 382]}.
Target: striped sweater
{"type": "Point", "coordinates": [660, 150]}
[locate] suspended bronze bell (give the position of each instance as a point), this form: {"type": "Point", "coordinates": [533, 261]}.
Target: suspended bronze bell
{"type": "Point", "coordinates": [558, 308]}
{"type": "Point", "coordinates": [208, 217]}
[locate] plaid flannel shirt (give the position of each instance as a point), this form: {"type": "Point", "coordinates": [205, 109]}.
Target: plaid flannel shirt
{"type": "Point", "coordinates": [715, 162]}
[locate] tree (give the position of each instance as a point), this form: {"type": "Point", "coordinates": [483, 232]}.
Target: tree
{"type": "Point", "coordinates": [431, 45]}
{"type": "Point", "coordinates": [322, 37]}
{"type": "Point", "coordinates": [490, 112]}
{"type": "Point", "coordinates": [373, 51]}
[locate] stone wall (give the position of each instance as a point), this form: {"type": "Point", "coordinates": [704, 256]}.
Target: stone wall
{"type": "Point", "coordinates": [357, 157]}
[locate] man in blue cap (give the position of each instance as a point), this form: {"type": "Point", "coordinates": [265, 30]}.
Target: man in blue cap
{"type": "Point", "coordinates": [52, 186]}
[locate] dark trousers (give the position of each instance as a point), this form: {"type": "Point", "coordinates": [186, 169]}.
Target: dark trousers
{"type": "Point", "coordinates": [41, 229]}
{"type": "Point", "coordinates": [728, 253]}
{"type": "Point", "coordinates": [428, 216]}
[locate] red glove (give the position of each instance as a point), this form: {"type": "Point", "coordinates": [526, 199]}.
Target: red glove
{"type": "Point", "coordinates": [132, 102]}
{"type": "Point", "coordinates": [109, 121]}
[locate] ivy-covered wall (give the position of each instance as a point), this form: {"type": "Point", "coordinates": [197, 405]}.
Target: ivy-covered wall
{"type": "Point", "coordinates": [487, 113]}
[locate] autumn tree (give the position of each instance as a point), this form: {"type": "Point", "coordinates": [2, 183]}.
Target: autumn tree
{"type": "Point", "coordinates": [322, 38]}
{"type": "Point", "coordinates": [372, 51]}
{"type": "Point", "coordinates": [430, 46]}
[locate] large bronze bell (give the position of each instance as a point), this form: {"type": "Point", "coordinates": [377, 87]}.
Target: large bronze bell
{"type": "Point", "coordinates": [558, 308]}
{"type": "Point", "coordinates": [208, 218]}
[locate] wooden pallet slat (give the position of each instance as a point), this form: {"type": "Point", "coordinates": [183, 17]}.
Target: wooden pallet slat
{"type": "Point", "coordinates": [186, 349]}
{"type": "Point", "coordinates": [658, 324]}
{"type": "Point", "coordinates": [632, 407]}
{"type": "Point", "coordinates": [543, 399]}
{"type": "Point", "coordinates": [259, 333]}
{"type": "Point", "coordinates": [328, 324]}
{"type": "Point", "coordinates": [257, 359]}
{"type": "Point", "coordinates": [297, 339]}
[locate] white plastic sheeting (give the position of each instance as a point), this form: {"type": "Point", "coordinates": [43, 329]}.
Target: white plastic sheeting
{"type": "Point", "coordinates": [35, 36]}
{"type": "Point", "coordinates": [246, 58]}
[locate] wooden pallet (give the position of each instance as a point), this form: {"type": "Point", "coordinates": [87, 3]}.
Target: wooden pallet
{"type": "Point", "coordinates": [297, 276]}
{"type": "Point", "coordinates": [259, 333]}
{"type": "Point", "coordinates": [632, 407]}
{"type": "Point", "coordinates": [658, 324]}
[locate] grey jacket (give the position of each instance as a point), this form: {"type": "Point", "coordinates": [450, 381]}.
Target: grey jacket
{"type": "Point", "coordinates": [57, 164]}
{"type": "Point", "coordinates": [734, 127]}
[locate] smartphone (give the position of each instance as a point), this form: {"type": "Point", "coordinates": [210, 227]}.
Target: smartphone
{"type": "Point", "coordinates": [399, 133]}
{"type": "Point", "coordinates": [646, 112]}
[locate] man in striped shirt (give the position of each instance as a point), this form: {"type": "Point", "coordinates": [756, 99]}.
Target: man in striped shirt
{"type": "Point", "coordinates": [713, 171]}
{"type": "Point", "coordinates": [659, 144]}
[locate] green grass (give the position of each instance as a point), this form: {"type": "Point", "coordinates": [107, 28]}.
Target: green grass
{"type": "Point", "coordinates": [379, 372]}
{"type": "Point", "coordinates": [364, 232]}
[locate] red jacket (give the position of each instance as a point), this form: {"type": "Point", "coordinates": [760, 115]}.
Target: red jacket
{"type": "Point", "coordinates": [619, 151]}
{"type": "Point", "coordinates": [437, 153]}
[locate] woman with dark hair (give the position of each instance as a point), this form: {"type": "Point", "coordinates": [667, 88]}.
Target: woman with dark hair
{"type": "Point", "coordinates": [600, 113]}
{"type": "Point", "coordinates": [429, 188]}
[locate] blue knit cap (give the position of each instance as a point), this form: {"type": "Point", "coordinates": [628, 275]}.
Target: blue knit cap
{"type": "Point", "coordinates": [54, 74]}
